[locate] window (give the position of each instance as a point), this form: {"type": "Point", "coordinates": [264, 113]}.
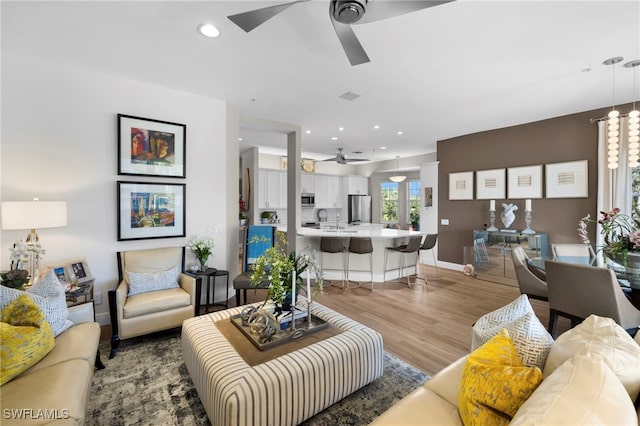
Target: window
{"type": "Point", "coordinates": [389, 204]}
{"type": "Point", "coordinates": [413, 198]}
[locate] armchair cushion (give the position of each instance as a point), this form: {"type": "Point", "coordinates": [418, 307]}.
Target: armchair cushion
{"type": "Point", "coordinates": [155, 301]}
{"type": "Point", "coordinates": [143, 282]}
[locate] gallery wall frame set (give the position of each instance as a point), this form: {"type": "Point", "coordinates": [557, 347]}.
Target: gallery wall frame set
{"type": "Point", "coordinates": [568, 179]}
{"type": "Point", "coordinates": [148, 147]}
{"type": "Point", "coordinates": [151, 210]}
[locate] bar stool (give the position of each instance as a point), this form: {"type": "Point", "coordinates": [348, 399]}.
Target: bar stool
{"type": "Point", "coordinates": [411, 247]}
{"type": "Point", "coordinates": [361, 245]}
{"type": "Point", "coordinates": [428, 244]}
{"type": "Point", "coordinates": [333, 245]}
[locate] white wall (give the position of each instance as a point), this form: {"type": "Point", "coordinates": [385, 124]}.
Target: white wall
{"type": "Point", "coordinates": [59, 142]}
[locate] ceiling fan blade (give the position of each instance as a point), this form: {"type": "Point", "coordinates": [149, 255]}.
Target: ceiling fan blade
{"type": "Point", "coordinates": [377, 10]}
{"type": "Point", "coordinates": [350, 43]}
{"type": "Point", "coordinates": [250, 20]}
{"type": "Point", "coordinates": [353, 160]}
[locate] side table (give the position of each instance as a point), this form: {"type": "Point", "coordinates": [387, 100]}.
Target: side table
{"type": "Point", "coordinates": [208, 275]}
{"type": "Point", "coordinates": [81, 308]}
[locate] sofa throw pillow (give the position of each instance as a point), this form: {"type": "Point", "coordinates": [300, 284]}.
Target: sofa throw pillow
{"type": "Point", "coordinates": [54, 307]}
{"type": "Point", "coordinates": [25, 335]}
{"type": "Point", "coordinates": [600, 338]}
{"type": "Point", "coordinates": [495, 383]}
{"type": "Point", "coordinates": [532, 340]}
{"type": "Point", "coordinates": [582, 391]}
{"type": "Point", "coordinates": [143, 282]}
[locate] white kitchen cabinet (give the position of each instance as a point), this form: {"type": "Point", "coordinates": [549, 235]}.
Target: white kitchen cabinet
{"type": "Point", "coordinates": [357, 185]}
{"type": "Point", "coordinates": [270, 187]}
{"type": "Point", "coordinates": [328, 192]}
{"type": "Point", "coordinates": [307, 183]}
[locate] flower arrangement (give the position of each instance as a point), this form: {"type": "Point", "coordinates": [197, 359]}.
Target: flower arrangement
{"type": "Point", "coordinates": [619, 232]}
{"type": "Point", "coordinates": [20, 253]}
{"type": "Point", "coordinates": [202, 248]}
{"type": "Point", "coordinates": [243, 208]}
{"type": "Point", "coordinates": [276, 267]}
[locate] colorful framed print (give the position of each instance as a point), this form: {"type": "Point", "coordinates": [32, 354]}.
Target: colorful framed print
{"type": "Point", "coordinates": [491, 184]}
{"type": "Point", "coordinates": [461, 186]}
{"type": "Point", "coordinates": [567, 180]}
{"type": "Point", "coordinates": [149, 147]}
{"type": "Point", "coordinates": [524, 182]}
{"type": "Point", "coordinates": [151, 210]}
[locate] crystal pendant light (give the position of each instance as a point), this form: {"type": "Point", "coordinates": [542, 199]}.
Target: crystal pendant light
{"type": "Point", "coordinates": [613, 123]}
{"type": "Point", "coordinates": [634, 121]}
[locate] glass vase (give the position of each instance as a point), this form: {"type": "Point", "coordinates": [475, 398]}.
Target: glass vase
{"type": "Point", "coordinates": [203, 264]}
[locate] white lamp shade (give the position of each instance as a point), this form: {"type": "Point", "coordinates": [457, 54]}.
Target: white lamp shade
{"type": "Point", "coordinates": [33, 214]}
{"type": "Point", "coordinates": [397, 179]}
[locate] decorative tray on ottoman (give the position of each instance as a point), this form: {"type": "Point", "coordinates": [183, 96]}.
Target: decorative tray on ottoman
{"type": "Point", "coordinates": [280, 336]}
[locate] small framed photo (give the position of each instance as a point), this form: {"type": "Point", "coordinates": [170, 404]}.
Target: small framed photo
{"type": "Point", "coordinates": [490, 184]}
{"type": "Point", "coordinates": [524, 182]}
{"type": "Point", "coordinates": [461, 186]}
{"type": "Point", "coordinates": [148, 147]}
{"type": "Point", "coordinates": [567, 180]}
{"type": "Point", "coordinates": [78, 270]}
{"type": "Point", "coordinates": [151, 210]}
{"type": "Point", "coordinates": [61, 273]}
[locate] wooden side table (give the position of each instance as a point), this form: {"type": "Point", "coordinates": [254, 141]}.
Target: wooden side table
{"type": "Point", "coordinates": [210, 274]}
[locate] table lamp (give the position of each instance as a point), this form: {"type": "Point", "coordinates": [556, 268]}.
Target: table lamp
{"type": "Point", "coordinates": [32, 215]}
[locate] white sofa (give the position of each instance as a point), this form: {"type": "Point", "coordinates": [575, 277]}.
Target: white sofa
{"type": "Point", "coordinates": [592, 380]}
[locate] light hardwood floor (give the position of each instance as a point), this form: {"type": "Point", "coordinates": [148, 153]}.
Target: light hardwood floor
{"type": "Point", "coordinates": [426, 326]}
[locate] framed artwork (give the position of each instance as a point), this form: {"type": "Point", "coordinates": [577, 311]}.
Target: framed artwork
{"type": "Point", "coordinates": [149, 147]}
{"type": "Point", "coordinates": [78, 269]}
{"type": "Point", "coordinates": [461, 186]}
{"type": "Point", "coordinates": [567, 180]}
{"type": "Point", "coordinates": [490, 184]}
{"type": "Point", "coordinates": [308, 166]}
{"type": "Point", "coordinates": [61, 272]}
{"type": "Point", "coordinates": [151, 210]}
{"type": "Point", "coordinates": [524, 182]}
{"type": "Point", "coordinates": [428, 196]}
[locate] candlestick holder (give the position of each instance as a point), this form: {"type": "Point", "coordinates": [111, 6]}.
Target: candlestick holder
{"type": "Point", "coordinates": [527, 219]}
{"type": "Point", "coordinates": [492, 218]}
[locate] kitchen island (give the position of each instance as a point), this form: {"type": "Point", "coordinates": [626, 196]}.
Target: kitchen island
{"type": "Point", "coordinates": [359, 264]}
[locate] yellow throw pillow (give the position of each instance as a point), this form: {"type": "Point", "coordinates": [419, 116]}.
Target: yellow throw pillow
{"type": "Point", "coordinates": [495, 383]}
{"type": "Point", "coordinates": [26, 337]}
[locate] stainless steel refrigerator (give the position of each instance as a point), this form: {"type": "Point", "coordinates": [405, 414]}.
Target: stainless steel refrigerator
{"type": "Point", "coordinates": [359, 209]}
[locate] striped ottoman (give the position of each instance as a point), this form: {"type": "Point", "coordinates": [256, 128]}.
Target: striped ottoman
{"type": "Point", "coordinates": [288, 389]}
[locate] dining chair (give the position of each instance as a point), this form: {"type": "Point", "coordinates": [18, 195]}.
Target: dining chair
{"type": "Point", "coordinates": [529, 282]}
{"type": "Point", "coordinates": [572, 250]}
{"type": "Point", "coordinates": [577, 291]}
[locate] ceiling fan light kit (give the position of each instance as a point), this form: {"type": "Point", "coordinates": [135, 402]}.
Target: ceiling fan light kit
{"type": "Point", "coordinates": [340, 158]}
{"type": "Point", "coordinates": [343, 14]}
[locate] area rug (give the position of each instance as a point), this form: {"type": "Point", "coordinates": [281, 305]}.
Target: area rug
{"type": "Point", "coordinates": [147, 383]}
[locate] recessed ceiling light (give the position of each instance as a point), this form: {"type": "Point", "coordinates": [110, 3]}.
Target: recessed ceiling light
{"type": "Point", "coordinates": [400, 132]}
{"type": "Point", "coordinates": [341, 128]}
{"type": "Point", "coordinates": [376, 127]}
{"type": "Point", "coordinates": [383, 147]}
{"type": "Point", "coordinates": [240, 139]}
{"type": "Point", "coordinates": [334, 138]}
{"type": "Point", "coordinates": [209, 30]}
{"type": "Point", "coordinates": [308, 132]}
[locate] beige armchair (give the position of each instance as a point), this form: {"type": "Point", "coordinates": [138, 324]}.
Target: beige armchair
{"type": "Point", "coordinates": [147, 297]}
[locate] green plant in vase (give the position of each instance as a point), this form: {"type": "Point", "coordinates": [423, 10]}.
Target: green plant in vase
{"type": "Point", "coordinates": [277, 267]}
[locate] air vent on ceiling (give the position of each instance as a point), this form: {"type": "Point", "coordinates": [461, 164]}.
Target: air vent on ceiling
{"type": "Point", "coordinates": [349, 96]}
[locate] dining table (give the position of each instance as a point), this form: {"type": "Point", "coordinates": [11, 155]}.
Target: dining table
{"type": "Point", "coordinates": [628, 278]}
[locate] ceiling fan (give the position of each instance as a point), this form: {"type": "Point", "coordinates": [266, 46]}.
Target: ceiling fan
{"type": "Point", "coordinates": [340, 158]}
{"type": "Point", "coordinates": [343, 14]}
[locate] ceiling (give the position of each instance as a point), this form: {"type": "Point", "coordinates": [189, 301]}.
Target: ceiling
{"type": "Point", "coordinates": [445, 71]}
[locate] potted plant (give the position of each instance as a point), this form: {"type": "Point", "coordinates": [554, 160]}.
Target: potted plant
{"type": "Point", "coordinates": [243, 211]}
{"type": "Point", "coordinates": [277, 267]}
{"type": "Point", "coordinates": [202, 248]}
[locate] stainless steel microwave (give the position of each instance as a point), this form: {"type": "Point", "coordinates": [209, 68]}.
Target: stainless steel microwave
{"type": "Point", "coordinates": [308, 200]}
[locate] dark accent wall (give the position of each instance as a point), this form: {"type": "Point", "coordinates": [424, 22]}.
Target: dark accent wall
{"type": "Point", "coordinates": [568, 138]}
